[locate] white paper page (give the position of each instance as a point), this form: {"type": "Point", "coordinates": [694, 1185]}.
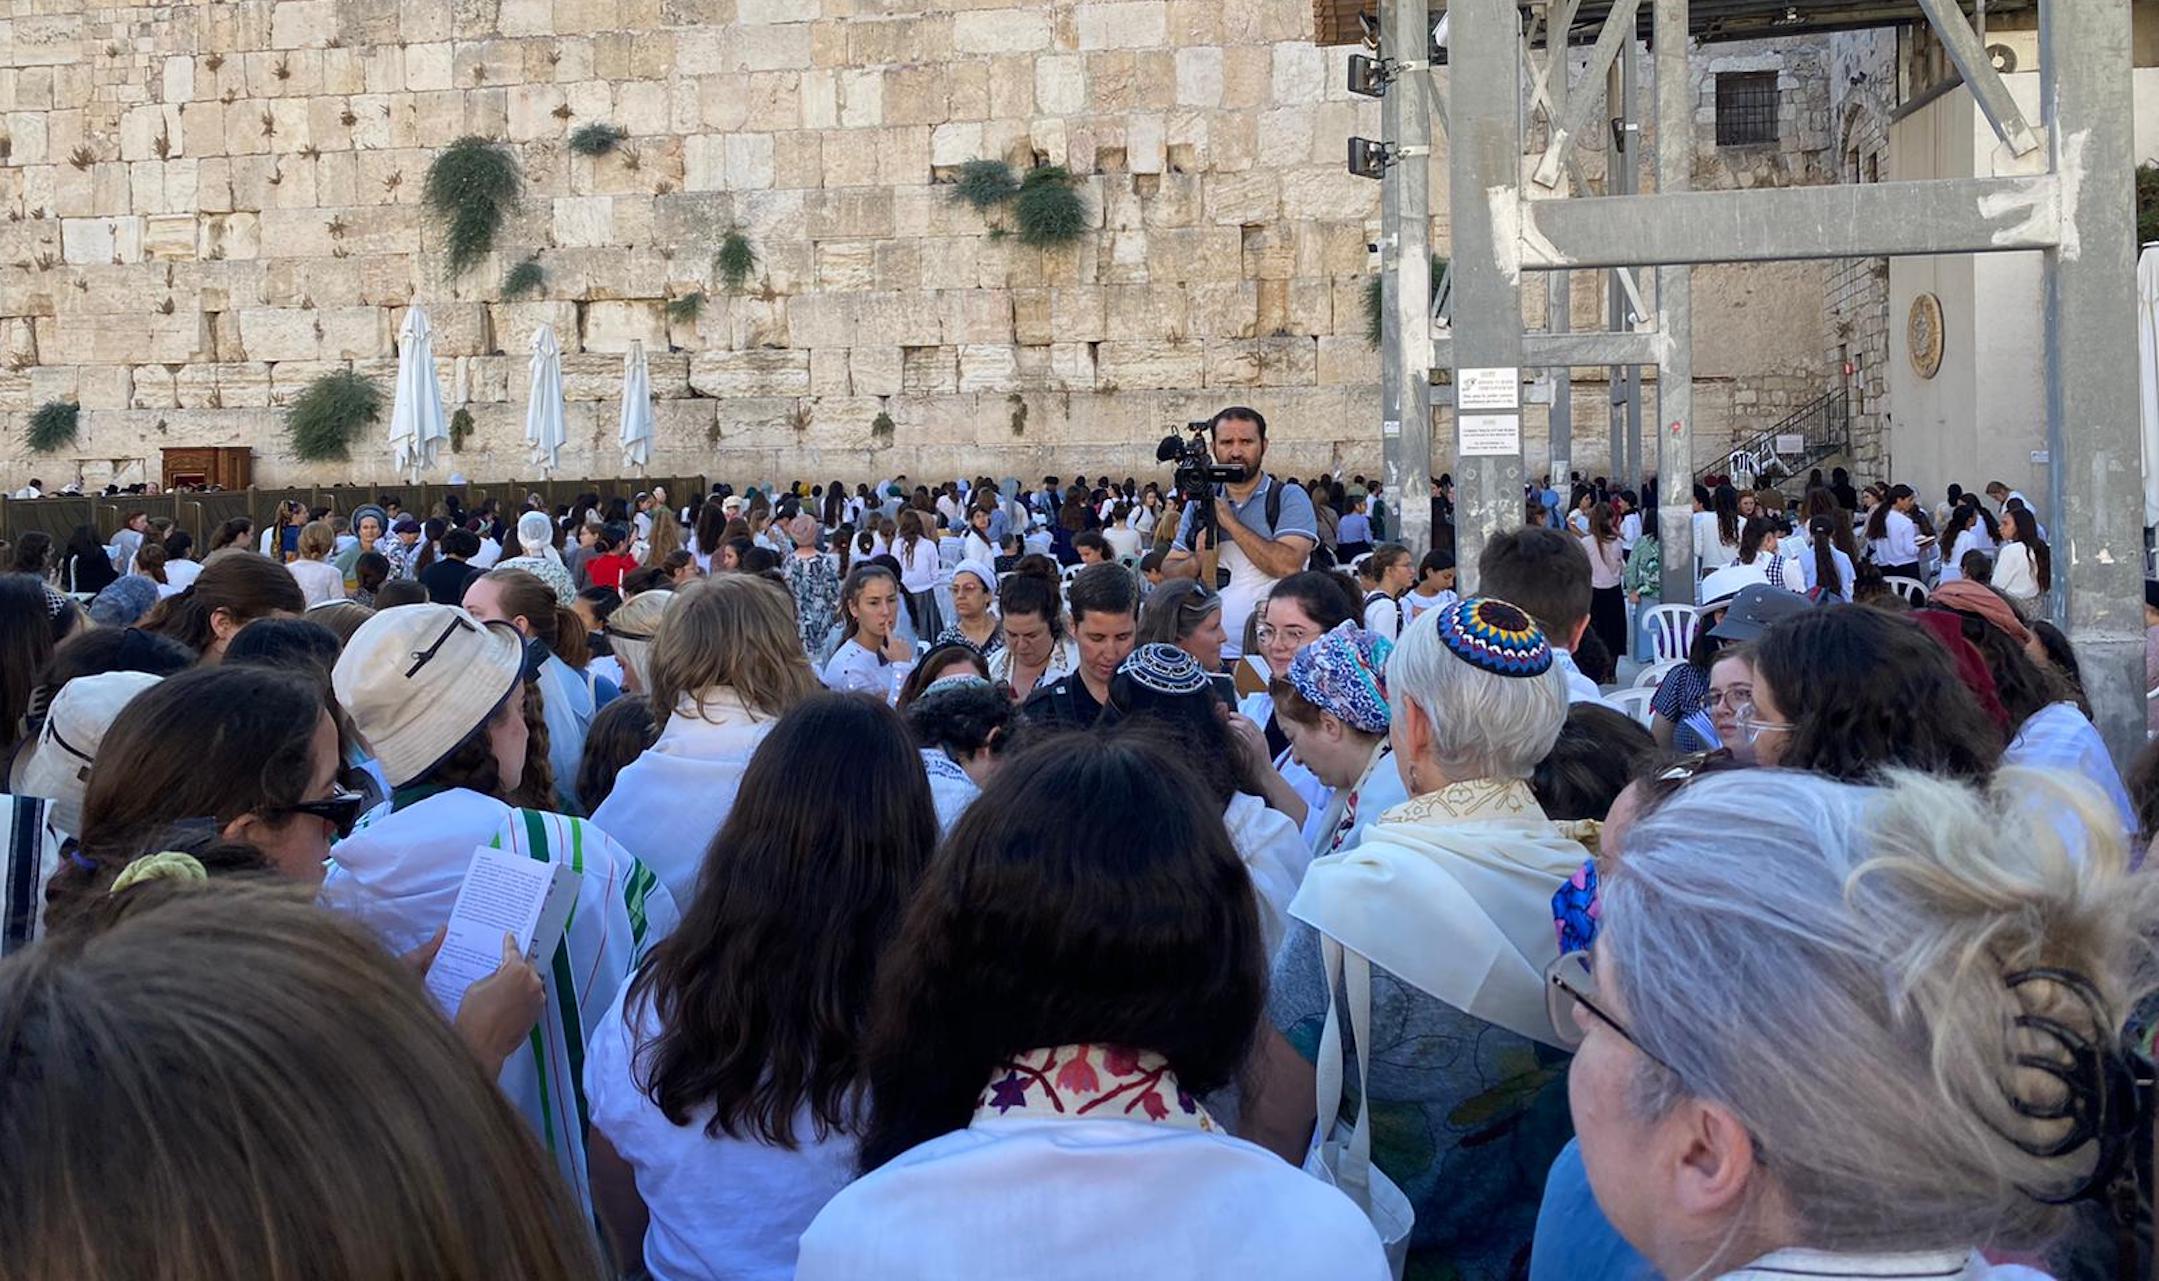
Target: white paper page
{"type": "Point", "coordinates": [502, 893]}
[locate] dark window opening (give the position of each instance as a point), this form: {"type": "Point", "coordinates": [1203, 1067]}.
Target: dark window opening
{"type": "Point", "coordinates": [1746, 108]}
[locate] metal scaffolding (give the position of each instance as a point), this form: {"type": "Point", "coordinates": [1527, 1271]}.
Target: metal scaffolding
{"type": "Point", "coordinates": [2068, 197]}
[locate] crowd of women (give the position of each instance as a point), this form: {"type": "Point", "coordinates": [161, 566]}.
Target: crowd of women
{"type": "Point", "coordinates": [975, 919]}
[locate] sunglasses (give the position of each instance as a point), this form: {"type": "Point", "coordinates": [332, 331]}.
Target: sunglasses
{"type": "Point", "coordinates": [341, 809]}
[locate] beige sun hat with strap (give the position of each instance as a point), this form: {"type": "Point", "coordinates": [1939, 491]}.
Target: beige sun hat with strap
{"type": "Point", "coordinates": [419, 679]}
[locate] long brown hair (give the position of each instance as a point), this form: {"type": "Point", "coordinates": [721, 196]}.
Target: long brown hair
{"type": "Point", "coordinates": [736, 630]}
{"type": "Point", "coordinates": [526, 596]}
{"type": "Point", "coordinates": [2028, 534]}
{"type": "Point", "coordinates": [243, 585]}
{"type": "Point", "coordinates": [314, 1038]}
{"type": "Point", "coordinates": [666, 536]}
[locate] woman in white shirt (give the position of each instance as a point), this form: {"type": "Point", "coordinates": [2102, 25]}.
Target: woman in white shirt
{"type": "Point", "coordinates": [916, 550]}
{"type": "Point", "coordinates": [975, 546]}
{"type": "Point", "coordinates": [1976, 969]}
{"type": "Point", "coordinates": [1971, 528]}
{"type": "Point", "coordinates": [1716, 532]}
{"type": "Point", "coordinates": [871, 658]}
{"type": "Point", "coordinates": [1058, 1002]}
{"type": "Point", "coordinates": [1825, 570]}
{"type": "Point", "coordinates": [726, 665]}
{"type": "Point", "coordinates": [1385, 575]}
{"type": "Point", "coordinates": [319, 581]}
{"type": "Point", "coordinates": [723, 1083]}
{"type": "Point", "coordinates": [1893, 536]}
{"type": "Point", "coordinates": [2023, 568]}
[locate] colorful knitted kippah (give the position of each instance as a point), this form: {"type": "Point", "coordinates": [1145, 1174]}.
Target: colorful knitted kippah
{"type": "Point", "coordinates": [1496, 637]}
{"type": "Point", "coordinates": [1165, 669]}
{"type": "Point", "coordinates": [1344, 675]}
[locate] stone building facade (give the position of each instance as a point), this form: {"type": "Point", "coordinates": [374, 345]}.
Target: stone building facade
{"type": "Point", "coordinates": [208, 205]}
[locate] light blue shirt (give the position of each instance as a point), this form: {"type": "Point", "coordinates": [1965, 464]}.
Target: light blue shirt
{"type": "Point", "coordinates": [1574, 1241]}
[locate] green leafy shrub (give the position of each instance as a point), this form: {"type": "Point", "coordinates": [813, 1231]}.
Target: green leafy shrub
{"type": "Point", "coordinates": [1374, 300]}
{"type": "Point", "coordinates": [882, 426]}
{"type": "Point", "coordinates": [460, 429]}
{"type": "Point", "coordinates": [985, 183]}
{"type": "Point", "coordinates": [54, 425]}
{"type": "Point", "coordinates": [330, 414]}
{"type": "Point", "coordinates": [736, 261]}
{"type": "Point", "coordinates": [527, 277]}
{"type": "Point", "coordinates": [471, 189]}
{"type": "Point", "coordinates": [1049, 209]}
{"type": "Point", "coordinates": [597, 138]}
{"type": "Point", "coordinates": [687, 308]}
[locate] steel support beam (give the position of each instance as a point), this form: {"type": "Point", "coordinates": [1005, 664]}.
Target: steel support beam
{"type": "Point", "coordinates": [1569, 350]}
{"type": "Point", "coordinates": [1627, 398]}
{"type": "Point", "coordinates": [2096, 502]}
{"type": "Point", "coordinates": [1853, 220]}
{"type": "Point", "coordinates": [1406, 279]}
{"type": "Point", "coordinates": [1559, 289]}
{"type": "Point", "coordinates": [1675, 307]}
{"type": "Point", "coordinates": [1618, 31]}
{"type": "Point", "coordinates": [1484, 154]}
{"type": "Point", "coordinates": [1968, 50]}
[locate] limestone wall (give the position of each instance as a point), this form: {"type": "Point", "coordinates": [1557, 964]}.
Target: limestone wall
{"type": "Point", "coordinates": [209, 204]}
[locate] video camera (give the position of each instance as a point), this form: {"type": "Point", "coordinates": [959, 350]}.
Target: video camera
{"type": "Point", "coordinates": [1198, 476]}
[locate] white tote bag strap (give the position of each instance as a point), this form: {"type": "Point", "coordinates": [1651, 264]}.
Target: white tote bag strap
{"type": "Point", "coordinates": [1329, 1061]}
{"type": "Point", "coordinates": [1353, 1171]}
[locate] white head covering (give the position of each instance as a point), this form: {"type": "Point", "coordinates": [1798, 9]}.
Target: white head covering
{"type": "Point", "coordinates": [536, 534]}
{"type": "Point", "coordinates": [979, 570]}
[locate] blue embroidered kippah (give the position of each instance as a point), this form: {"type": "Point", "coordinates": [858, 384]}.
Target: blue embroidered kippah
{"type": "Point", "coordinates": [1165, 669]}
{"type": "Point", "coordinates": [1496, 637]}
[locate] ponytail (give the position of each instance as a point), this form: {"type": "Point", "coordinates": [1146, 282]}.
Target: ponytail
{"type": "Point", "coordinates": [1826, 579]}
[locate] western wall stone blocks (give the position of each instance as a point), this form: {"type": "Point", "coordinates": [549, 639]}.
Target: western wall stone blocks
{"type": "Point", "coordinates": [1144, 365]}
{"type": "Point", "coordinates": [751, 373]}
{"type": "Point", "coordinates": [1015, 30]}
{"type": "Point", "coordinates": [1060, 84]}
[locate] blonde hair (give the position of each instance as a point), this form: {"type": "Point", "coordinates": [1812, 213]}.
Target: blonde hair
{"type": "Point", "coordinates": [666, 536]}
{"type": "Point", "coordinates": [1907, 918]}
{"type": "Point", "coordinates": [633, 628]}
{"type": "Point", "coordinates": [734, 630]}
{"type": "Point", "coordinates": [256, 1058]}
{"type": "Point", "coordinates": [317, 540]}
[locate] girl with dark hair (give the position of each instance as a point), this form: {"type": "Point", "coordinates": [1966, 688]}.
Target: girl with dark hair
{"type": "Point", "coordinates": [33, 620]}
{"type": "Point", "coordinates": [439, 697]}
{"type": "Point", "coordinates": [33, 555]}
{"type": "Point", "coordinates": [962, 728]}
{"type": "Point", "coordinates": [621, 733]}
{"type": "Point", "coordinates": [237, 532]}
{"type": "Point", "coordinates": [916, 551]}
{"type": "Point", "coordinates": [1716, 531]}
{"type": "Point", "coordinates": [2024, 567]}
{"type": "Point", "coordinates": [725, 1084]}
{"type": "Point", "coordinates": [1826, 571]}
{"type": "Point", "coordinates": [1607, 566]}
{"type": "Point", "coordinates": [1850, 691]}
{"type": "Point", "coordinates": [1188, 614]}
{"type": "Point", "coordinates": [232, 591]}
{"type": "Point", "coordinates": [1971, 529]}
{"type": "Point", "coordinates": [1384, 576]}
{"type": "Point", "coordinates": [1893, 538]}
{"type": "Point", "coordinates": [872, 657]}
{"type": "Point", "coordinates": [568, 695]}
{"type": "Point", "coordinates": [87, 564]}
{"type": "Point", "coordinates": [181, 568]}
{"type": "Point", "coordinates": [1036, 652]}
{"type": "Point", "coordinates": [1024, 1043]}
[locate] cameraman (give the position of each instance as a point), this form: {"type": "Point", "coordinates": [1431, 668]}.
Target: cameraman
{"type": "Point", "coordinates": [1270, 528]}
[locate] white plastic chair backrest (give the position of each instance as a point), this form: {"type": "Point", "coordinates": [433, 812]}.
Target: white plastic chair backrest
{"type": "Point", "coordinates": [1071, 572]}
{"type": "Point", "coordinates": [1671, 631]}
{"type": "Point", "coordinates": [1911, 589]}
{"type": "Point", "coordinates": [1634, 702]}
{"type": "Point", "coordinates": [1653, 675]}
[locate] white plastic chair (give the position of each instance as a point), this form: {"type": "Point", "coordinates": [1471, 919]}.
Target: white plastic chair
{"type": "Point", "coordinates": [1634, 702]}
{"type": "Point", "coordinates": [1911, 589]}
{"type": "Point", "coordinates": [1070, 572]}
{"type": "Point", "coordinates": [1671, 631]}
{"type": "Point", "coordinates": [1653, 676]}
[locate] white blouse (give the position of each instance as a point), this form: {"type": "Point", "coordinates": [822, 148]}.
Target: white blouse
{"type": "Point", "coordinates": [2014, 574]}
{"type": "Point", "coordinates": [919, 570]}
{"type": "Point", "coordinates": [1900, 543]}
{"type": "Point", "coordinates": [854, 669]}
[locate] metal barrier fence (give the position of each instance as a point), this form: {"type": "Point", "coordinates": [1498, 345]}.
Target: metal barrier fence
{"type": "Point", "coordinates": [200, 514]}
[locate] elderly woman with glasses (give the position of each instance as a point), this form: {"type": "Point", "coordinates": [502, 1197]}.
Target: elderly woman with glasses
{"type": "Point", "coordinates": [1976, 962]}
{"type": "Point", "coordinates": [1444, 904]}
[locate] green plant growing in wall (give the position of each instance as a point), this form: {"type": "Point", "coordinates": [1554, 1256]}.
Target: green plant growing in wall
{"type": "Point", "coordinates": [985, 184]}
{"type": "Point", "coordinates": [1049, 209]}
{"type": "Point", "coordinates": [736, 261]}
{"type": "Point", "coordinates": [597, 138]}
{"type": "Point", "coordinates": [2147, 204]}
{"type": "Point", "coordinates": [1373, 300]}
{"type": "Point", "coordinates": [460, 429]}
{"type": "Point", "coordinates": [527, 277]}
{"type": "Point", "coordinates": [1019, 413]}
{"type": "Point", "coordinates": [686, 309]}
{"type": "Point", "coordinates": [471, 189]}
{"type": "Point", "coordinates": [330, 414]}
{"type": "Point", "coordinates": [882, 426]}
{"type": "Point", "coordinates": [54, 425]}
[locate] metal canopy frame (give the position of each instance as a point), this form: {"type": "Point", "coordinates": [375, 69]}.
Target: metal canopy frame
{"type": "Point", "coordinates": [2068, 197]}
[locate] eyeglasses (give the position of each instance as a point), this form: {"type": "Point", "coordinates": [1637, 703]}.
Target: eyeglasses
{"type": "Point", "coordinates": [1563, 996]}
{"type": "Point", "coordinates": [1752, 728]}
{"type": "Point", "coordinates": [1296, 636]}
{"type": "Point", "coordinates": [341, 809]}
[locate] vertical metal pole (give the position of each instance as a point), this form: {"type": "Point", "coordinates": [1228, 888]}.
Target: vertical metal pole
{"type": "Point", "coordinates": [1630, 114]}
{"type": "Point", "coordinates": [1618, 168]}
{"type": "Point", "coordinates": [2093, 439]}
{"type": "Point", "coordinates": [1675, 309]}
{"type": "Point", "coordinates": [1484, 157]}
{"type": "Point", "coordinates": [1559, 285]}
{"type": "Point", "coordinates": [1406, 285]}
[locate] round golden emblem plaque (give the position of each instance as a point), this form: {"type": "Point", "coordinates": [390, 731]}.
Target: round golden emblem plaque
{"type": "Point", "coordinates": [1923, 335]}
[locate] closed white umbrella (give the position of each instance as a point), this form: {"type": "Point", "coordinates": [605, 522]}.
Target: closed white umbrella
{"type": "Point", "coordinates": [2148, 373]}
{"type": "Point", "coordinates": [636, 408]}
{"type": "Point", "coordinates": [417, 425]}
{"type": "Point", "coordinates": [544, 429]}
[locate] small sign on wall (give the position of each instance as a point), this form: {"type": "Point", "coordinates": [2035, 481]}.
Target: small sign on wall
{"type": "Point", "coordinates": [1489, 435]}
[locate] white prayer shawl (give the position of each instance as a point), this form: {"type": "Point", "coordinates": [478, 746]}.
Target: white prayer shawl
{"type": "Point", "coordinates": [399, 874]}
{"type": "Point", "coordinates": [671, 801]}
{"type": "Point", "coordinates": [1069, 1199]}
{"type": "Point", "coordinates": [1274, 853]}
{"type": "Point", "coordinates": [952, 789]}
{"type": "Point", "coordinates": [1817, 1265]}
{"type": "Point", "coordinates": [1475, 864]}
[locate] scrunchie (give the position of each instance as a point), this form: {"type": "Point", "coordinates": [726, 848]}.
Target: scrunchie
{"type": "Point", "coordinates": [170, 865]}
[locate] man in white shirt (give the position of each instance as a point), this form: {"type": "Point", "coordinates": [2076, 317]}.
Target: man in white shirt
{"type": "Point", "coordinates": [1545, 574]}
{"type": "Point", "coordinates": [35, 489]}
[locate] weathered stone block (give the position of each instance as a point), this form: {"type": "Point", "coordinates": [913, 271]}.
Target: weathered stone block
{"type": "Point", "coordinates": [1000, 30]}
{"type": "Point", "coordinates": [611, 326]}
{"type": "Point", "coordinates": [751, 373]}
{"type": "Point", "coordinates": [874, 370]}
{"type": "Point", "coordinates": [929, 370]}
{"type": "Point", "coordinates": [988, 368]}
{"type": "Point", "coordinates": [1145, 365]}
{"type": "Point", "coordinates": [1060, 84]}
{"type": "Point", "coordinates": [1121, 24]}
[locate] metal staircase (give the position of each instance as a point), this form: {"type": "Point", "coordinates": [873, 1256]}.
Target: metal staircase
{"type": "Point", "coordinates": [1810, 434]}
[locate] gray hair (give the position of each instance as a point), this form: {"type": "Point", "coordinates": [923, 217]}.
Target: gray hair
{"type": "Point", "coordinates": [1837, 981]}
{"type": "Point", "coordinates": [1483, 725]}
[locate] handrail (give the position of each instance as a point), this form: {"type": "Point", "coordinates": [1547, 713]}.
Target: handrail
{"type": "Point", "coordinates": [1824, 424]}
